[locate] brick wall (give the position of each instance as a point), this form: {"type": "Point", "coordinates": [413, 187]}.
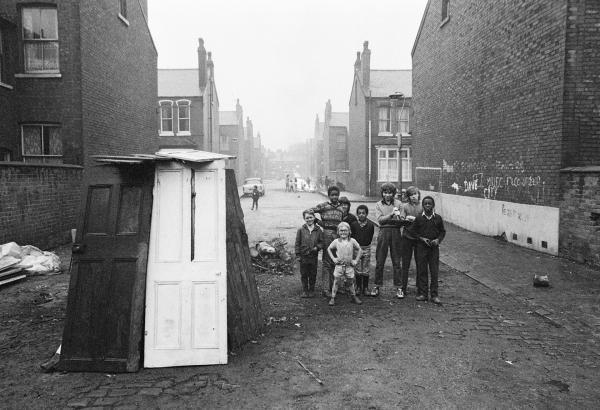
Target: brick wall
{"type": "Point", "coordinates": [40, 204]}
{"type": "Point", "coordinates": [582, 85]}
{"type": "Point", "coordinates": [119, 80]}
{"type": "Point", "coordinates": [487, 91]}
{"type": "Point", "coordinates": [580, 215]}
{"type": "Point", "coordinates": [50, 100]}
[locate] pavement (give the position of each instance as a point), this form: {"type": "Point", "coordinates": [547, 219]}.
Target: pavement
{"type": "Point", "coordinates": [571, 301]}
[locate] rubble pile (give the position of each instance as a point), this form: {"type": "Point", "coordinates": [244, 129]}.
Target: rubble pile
{"type": "Point", "coordinates": [272, 257]}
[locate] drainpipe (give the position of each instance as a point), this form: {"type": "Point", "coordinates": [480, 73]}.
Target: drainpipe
{"type": "Point", "coordinates": [369, 147]}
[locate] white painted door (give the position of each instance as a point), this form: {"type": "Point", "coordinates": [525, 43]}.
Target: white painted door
{"type": "Point", "coordinates": [186, 286]}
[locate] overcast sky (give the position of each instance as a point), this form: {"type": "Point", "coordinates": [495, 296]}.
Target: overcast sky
{"type": "Point", "coordinates": [284, 59]}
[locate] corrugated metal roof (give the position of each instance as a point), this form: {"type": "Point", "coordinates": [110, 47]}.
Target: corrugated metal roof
{"type": "Point", "coordinates": [228, 118]}
{"type": "Point", "coordinates": [178, 83]}
{"type": "Point", "coordinates": [339, 119]}
{"type": "Point", "coordinates": [383, 83]}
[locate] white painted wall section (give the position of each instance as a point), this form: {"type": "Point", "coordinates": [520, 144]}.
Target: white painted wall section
{"type": "Point", "coordinates": [530, 226]}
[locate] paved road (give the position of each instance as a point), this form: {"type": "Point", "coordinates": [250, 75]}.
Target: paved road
{"type": "Point", "coordinates": [480, 349]}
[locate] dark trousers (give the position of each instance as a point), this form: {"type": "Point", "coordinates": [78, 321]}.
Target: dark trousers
{"type": "Point", "coordinates": [428, 262]}
{"type": "Point", "coordinates": [388, 238]}
{"type": "Point", "coordinates": [254, 203]}
{"type": "Point", "coordinates": [408, 247]}
{"type": "Point", "coordinates": [308, 274]}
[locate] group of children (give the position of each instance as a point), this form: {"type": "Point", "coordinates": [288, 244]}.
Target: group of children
{"type": "Point", "coordinates": [405, 228]}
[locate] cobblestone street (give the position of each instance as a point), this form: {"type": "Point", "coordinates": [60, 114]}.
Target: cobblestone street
{"type": "Point", "coordinates": [482, 348]}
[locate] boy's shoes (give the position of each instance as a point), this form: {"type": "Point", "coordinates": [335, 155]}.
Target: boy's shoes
{"type": "Point", "coordinates": [400, 294]}
{"type": "Point", "coordinates": [332, 302]}
{"type": "Point", "coordinates": [304, 294]}
{"type": "Point", "coordinates": [436, 300]}
{"type": "Point", "coordinates": [421, 298]}
{"type": "Point", "coordinates": [366, 292]}
{"type": "Point", "coordinates": [375, 291]}
{"type": "Point", "coordinates": [356, 300]}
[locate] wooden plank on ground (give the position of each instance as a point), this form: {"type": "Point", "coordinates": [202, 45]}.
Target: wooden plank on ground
{"type": "Point", "coordinates": [13, 279]}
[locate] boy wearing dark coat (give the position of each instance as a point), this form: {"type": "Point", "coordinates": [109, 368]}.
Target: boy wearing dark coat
{"type": "Point", "coordinates": [429, 229]}
{"type": "Point", "coordinates": [309, 241]}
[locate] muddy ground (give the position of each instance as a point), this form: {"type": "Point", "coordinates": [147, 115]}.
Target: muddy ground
{"type": "Point", "coordinates": [477, 350]}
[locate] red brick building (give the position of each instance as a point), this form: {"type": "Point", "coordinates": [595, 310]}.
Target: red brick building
{"type": "Point", "coordinates": [64, 82]}
{"type": "Point", "coordinates": [189, 106]}
{"type": "Point", "coordinates": [76, 79]}
{"type": "Point", "coordinates": [507, 130]}
{"type": "Point", "coordinates": [232, 139]}
{"type": "Point", "coordinates": [335, 146]}
{"type": "Point", "coordinates": [380, 115]}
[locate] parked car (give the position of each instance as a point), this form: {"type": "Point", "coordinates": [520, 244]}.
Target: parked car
{"type": "Point", "coordinates": [249, 186]}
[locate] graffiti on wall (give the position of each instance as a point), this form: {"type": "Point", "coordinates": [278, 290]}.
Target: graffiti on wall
{"type": "Point", "coordinates": [507, 181]}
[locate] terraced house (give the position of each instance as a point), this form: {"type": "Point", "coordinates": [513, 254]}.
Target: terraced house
{"type": "Point", "coordinates": [507, 125]}
{"type": "Point", "coordinates": [67, 92]}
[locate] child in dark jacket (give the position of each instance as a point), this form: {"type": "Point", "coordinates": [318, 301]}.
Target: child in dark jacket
{"type": "Point", "coordinates": [429, 230]}
{"type": "Point", "coordinates": [363, 230]}
{"type": "Point", "coordinates": [309, 241]}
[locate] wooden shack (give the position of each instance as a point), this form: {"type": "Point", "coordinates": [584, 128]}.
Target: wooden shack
{"type": "Point", "coordinates": [161, 265]}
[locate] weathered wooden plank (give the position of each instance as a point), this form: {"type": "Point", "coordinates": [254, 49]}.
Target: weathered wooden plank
{"type": "Point", "coordinates": [244, 312]}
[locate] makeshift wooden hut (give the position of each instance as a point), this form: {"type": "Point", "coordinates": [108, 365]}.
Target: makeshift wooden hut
{"type": "Point", "coordinates": [161, 265]}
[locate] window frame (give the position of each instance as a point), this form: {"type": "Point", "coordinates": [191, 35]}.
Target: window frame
{"type": "Point", "coordinates": [388, 128]}
{"type": "Point", "coordinates": [161, 131]}
{"type": "Point", "coordinates": [405, 161]}
{"type": "Point", "coordinates": [183, 103]}
{"type": "Point", "coordinates": [400, 121]}
{"type": "Point", "coordinates": [26, 41]}
{"type": "Point", "coordinates": [43, 155]}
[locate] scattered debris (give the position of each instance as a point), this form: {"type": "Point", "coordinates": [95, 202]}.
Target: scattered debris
{"type": "Point", "coordinates": [541, 281]}
{"type": "Point", "coordinates": [15, 259]}
{"type": "Point", "coordinates": [309, 372]}
{"type": "Point", "coordinates": [272, 257]}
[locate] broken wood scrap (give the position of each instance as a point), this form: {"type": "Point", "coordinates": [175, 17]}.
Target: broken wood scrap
{"type": "Point", "coordinates": [309, 372]}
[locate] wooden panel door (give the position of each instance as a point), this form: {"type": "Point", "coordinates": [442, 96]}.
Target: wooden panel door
{"type": "Point", "coordinates": [105, 304]}
{"type": "Point", "coordinates": [186, 288]}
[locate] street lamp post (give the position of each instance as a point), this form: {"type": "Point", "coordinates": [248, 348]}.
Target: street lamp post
{"type": "Point", "coordinates": [395, 97]}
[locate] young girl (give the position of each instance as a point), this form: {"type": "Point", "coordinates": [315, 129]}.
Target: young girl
{"type": "Point", "coordinates": [344, 262]}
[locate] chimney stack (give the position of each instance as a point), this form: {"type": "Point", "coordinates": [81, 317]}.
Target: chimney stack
{"type": "Point", "coordinates": [357, 62]}
{"type": "Point", "coordinates": [365, 65]}
{"type": "Point", "coordinates": [202, 75]}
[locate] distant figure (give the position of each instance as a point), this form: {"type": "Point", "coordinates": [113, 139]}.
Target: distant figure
{"type": "Point", "coordinates": [295, 184]}
{"type": "Point", "coordinates": [287, 183]}
{"type": "Point", "coordinates": [308, 181]}
{"type": "Point", "coordinates": [255, 196]}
